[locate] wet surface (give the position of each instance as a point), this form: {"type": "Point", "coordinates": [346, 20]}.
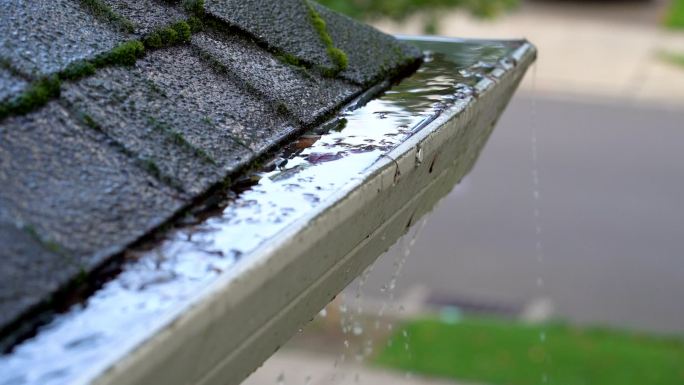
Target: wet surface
{"type": "Point", "coordinates": [307, 95]}
{"type": "Point", "coordinates": [158, 284]}
{"type": "Point", "coordinates": [175, 121]}
{"type": "Point", "coordinates": [11, 85]}
{"type": "Point", "coordinates": [43, 37]}
{"type": "Point", "coordinates": [146, 15]}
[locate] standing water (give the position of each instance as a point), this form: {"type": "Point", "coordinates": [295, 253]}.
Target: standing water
{"type": "Point", "coordinates": [156, 286]}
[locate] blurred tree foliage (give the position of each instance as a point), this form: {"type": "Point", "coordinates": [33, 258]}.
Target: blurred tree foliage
{"type": "Point", "coordinates": [401, 9]}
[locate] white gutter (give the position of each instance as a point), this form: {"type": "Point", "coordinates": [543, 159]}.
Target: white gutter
{"type": "Point", "coordinates": [220, 331]}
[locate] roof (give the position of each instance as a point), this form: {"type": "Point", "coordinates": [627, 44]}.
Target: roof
{"type": "Point", "coordinates": [118, 114]}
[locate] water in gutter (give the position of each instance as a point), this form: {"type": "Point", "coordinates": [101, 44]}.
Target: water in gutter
{"type": "Point", "coordinates": [156, 285]}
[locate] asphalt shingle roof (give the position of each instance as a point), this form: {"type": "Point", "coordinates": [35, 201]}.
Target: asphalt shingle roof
{"type": "Point", "coordinates": [116, 114]}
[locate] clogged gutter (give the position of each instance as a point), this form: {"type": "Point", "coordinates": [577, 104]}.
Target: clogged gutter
{"type": "Point", "coordinates": [43, 94]}
{"type": "Point", "coordinates": [160, 278]}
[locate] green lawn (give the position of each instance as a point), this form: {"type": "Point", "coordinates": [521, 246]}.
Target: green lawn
{"type": "Point", "coordinates": [675, 15]}
{"type": "Point", "coordinates": [508, 353]}
{"type": "Point", "coordinates": [673, 58]}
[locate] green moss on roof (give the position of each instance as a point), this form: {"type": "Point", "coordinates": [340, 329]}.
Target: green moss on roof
{"type": "Point", "coordinates": [124, 54]}
{"type": "Point", "coordinates": [78, 70]}
{"type": "Point", "coordinates": [37, 94]}
{"type": "Point", "coordinates": [337, 56]}
{"type": "Point", "coordinates": [102, 11]}
{"type": "Point", "coordinates": [47, 88]}
{"type": "Point", "coordinates": [126, 175]}
{"type": "Point", "coordinates": [195, 7]}
{"type": "Point", "coordinates": [195, 24]}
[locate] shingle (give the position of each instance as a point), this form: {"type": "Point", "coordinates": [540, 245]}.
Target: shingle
{"type": "Point", "coordinates": [286, 25]}
{"type": "Point", "coordinates": [41, 37]}
{"type": "Point", "coordinates": [372, 55]}
{"type": "Point", "coordinates": [191, 84]}
{"type": "Point", "coordinates": [283, 24]}
{"type": "Point", "coordinates": [75, 189]}
{"type": "Point", "coordinates": [132, 111]}
{"type": "Point", "coordinates": [121, 151]}
{"type": "Point", "coordinates": [30, 272]}
{"type": "Point", "coordinates": [10, 85]}
{"type": "Point", "coordinates": [146, 15]}
{"type": "Point", "coordinates": [307, 95]}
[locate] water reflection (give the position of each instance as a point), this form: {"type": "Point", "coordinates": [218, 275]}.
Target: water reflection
{"type": "Point", "coordinates": [157, 285]}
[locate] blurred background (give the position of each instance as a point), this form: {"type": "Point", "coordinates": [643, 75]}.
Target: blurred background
{"type": "Point", "coordinates": [560, 258]}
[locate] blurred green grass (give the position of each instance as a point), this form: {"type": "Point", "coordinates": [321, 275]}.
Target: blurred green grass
{"type": "Point", "coordinates": [401, 9]}
{"type": "Point", "coordinates": [675, 15]}
{"type": "Point", "coordinates": [509, 353]}
{"type": "Point", "coordinates": [672, 58]}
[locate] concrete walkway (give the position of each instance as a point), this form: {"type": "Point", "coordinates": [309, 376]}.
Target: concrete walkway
{"type": "Point", "coordinates": [604, 49]}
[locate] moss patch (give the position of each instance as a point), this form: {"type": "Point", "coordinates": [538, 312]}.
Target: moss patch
{"type": "Point", "coordinates": [123, 54]}
{"type": "Point", "coordinates": [338, 57]}
{"type": "Point", "coordinates": [195, 24]}
{"type": "Point", "coordinates": [194, 7]}
{"type": "Point", "coordinates": [37, 94]}
{"type": "Point", "coordinates": [126, 53]}
{"type": "Point", "coordinates": [78, 70]}
{"type": "Point", "coordinates": [103, 12]}
{"type": "Point", "coordinates": [176, 33]}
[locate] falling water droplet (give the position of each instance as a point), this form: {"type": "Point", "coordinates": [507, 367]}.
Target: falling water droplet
{"type": "Point", "coordinates": [281, 379]}
{"type": "Point", "coordinates": [358, 329]}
